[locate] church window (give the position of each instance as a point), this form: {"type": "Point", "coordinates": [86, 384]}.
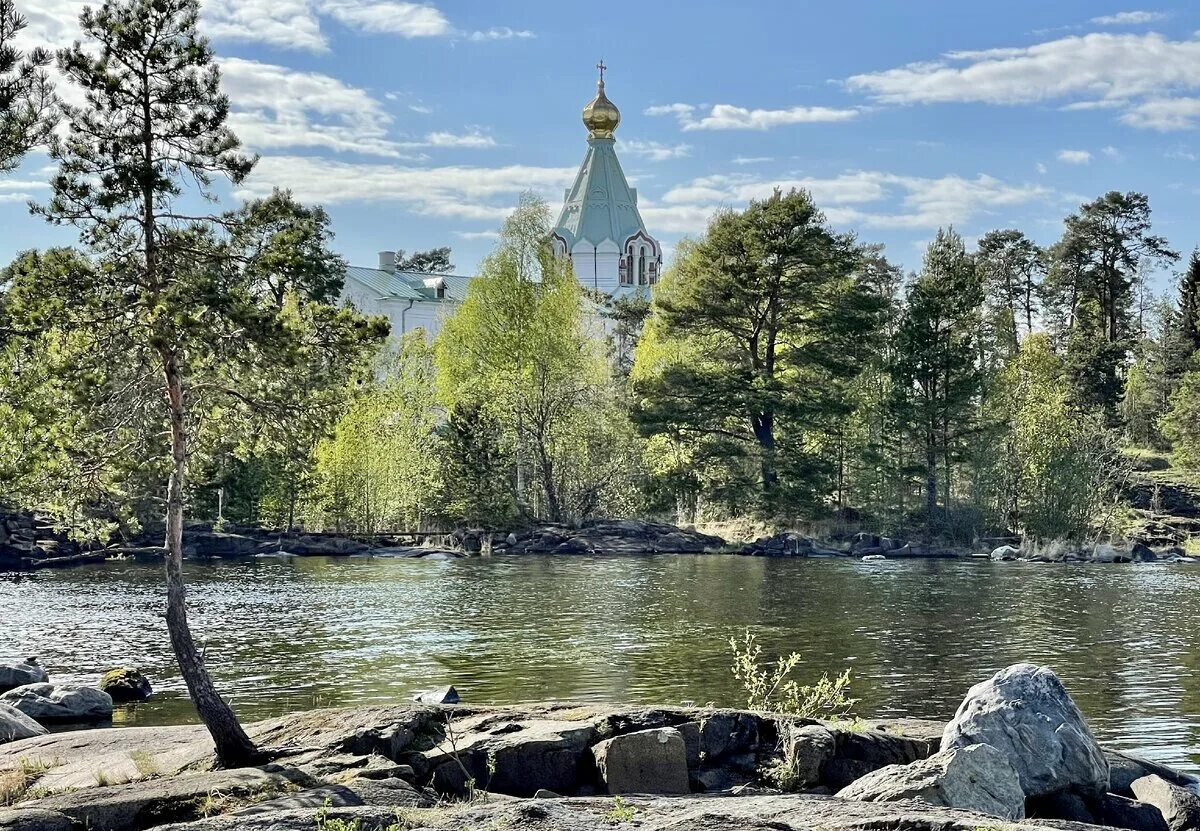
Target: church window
{"type": "Point", "coordinates": [642, 268]}
{"type": "Point", "coordinates": [653, 272]}
{"type": "Point", "coordinates": [623, 271]}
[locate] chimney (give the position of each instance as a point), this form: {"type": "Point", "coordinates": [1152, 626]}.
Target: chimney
{"type": "Point", "coordinates": [387, 261]}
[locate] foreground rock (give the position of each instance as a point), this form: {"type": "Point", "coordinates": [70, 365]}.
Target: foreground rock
{"type": "Point", "coordinates": [1025, 713]}
{"type": "Point", "coordinates": [126, 684]}
{"type": "Point", "coordinates": [49, 703]}
{"type": "Point", "coordinates": [15, 725]}
{"type": "Point", "coordinates": [746, 813]}
{"type": "Point", "coordinates": [648, 761]}
{"type": "Point", "coordinates": [976, 778]}
{"type": "Point", "coordinates": [20, 674]}
{"type": "Point", "coordinates": [1179, 807]}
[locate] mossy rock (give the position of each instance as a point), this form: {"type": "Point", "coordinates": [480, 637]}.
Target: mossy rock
{"type": "Point", "coordinates": [126, 684]}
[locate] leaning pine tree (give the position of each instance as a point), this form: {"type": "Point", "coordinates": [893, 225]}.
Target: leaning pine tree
{"type": "Point", "coordinates": [153, 119]}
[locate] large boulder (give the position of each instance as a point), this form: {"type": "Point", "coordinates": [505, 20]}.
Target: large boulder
{"type": "Point", "coordinates": [976, 778]}
{"type": "Point", "coordinates": [1025, 713]}
{"type": "Point", "coordinates": [649, 761]}
{"type": "Point", "coordinates": [21, 673]}
{"type": "Point", "coordinates": [60, 703]}
{"type": "Point", "coordinates": [15, 725]}
{"type": "Point", "coordinates": [1180, 807]}
{"type": "Point", "coordinates": [126, 684]}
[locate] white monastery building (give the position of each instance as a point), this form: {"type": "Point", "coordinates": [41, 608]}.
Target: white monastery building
{"type": "Point", "coordinates": [599, 228]}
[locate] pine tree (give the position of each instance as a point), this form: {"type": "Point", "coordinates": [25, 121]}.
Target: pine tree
{"type": "Point", "coordinates": [1189, 306]}
{"type": "Point", "coordinates": [752, 343]}
{"type": "Point", "coordinates": [27, 105]}
{"type": "Point", "coordinates": [1012, 268]}
{"type": "Point", "coordinates": [937, 375]}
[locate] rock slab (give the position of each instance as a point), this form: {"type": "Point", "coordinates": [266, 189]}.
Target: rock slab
{"type": "Point", "coordinates": [20, 674]}
{"type": "Point", "coordinates": [648, 762]}
{"type": "Point", "coordinates": [975, 778]}
{"type": "Point", "coordinates": [1026, 713]}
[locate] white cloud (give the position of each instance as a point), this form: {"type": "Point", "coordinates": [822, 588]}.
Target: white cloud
{"type": "Point", "coordinates": [16, 190]}
{"type": "Point", "coordinates": [501, 33]}
{"type": "Point", "coordinates": [1129, 18]}
{"type": "Point", "coordinates": [1137, 73]}
{"type": "Point", "coordinates": [477, 234]}
{"type": "Point", "coordinates": [731, 117]}
{"type": "Point", "coordinates": [1074, 156]}
{"type": "Point", "coordinates": [290, 24]}
{"type": "Point", "coordinates": [1041, 168]}
{"type": "Point", "coordinates": [1111, 152]}
{"type": "Point", "coordinates": [408, 20]}
{"type": "Point", "coordinates": [474, 139]}
{"type": "Point", "coordinates": [1164, 114]}
{"type": "Point", "coordinates": [752, 159]}
{"type": "Point", "coordinates": [276, 107]}
{"type": "Point", "coordinates": [420, 109]}
{"type": "Point", "coordinates": [654, 150]}
{"type": "Point", "coordinates": [863, 198]}
{"type": "Point", "coordinates": [457, 191]}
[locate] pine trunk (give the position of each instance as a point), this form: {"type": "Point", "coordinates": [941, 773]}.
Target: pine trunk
{"type": "Point", "coordinates": [233, 746]}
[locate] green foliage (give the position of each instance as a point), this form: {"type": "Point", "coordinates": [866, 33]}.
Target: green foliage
{"type": "Point", "coordinates": [523, 353]}
{"type": "Point", "coordinates": [621, 811]}
{"type": "Point", "coordinates": [27, 104]}
{"type": "Point", "coordinates": [378, 470]}
{"type": "Point", "coordinates": [433, 261]}
{"type": "Point", "coordinates": [1181, 422]}
{"type": "Point", "coordinates": [754, 335]}
{"type": "Point", "coordinates": [773, 688]}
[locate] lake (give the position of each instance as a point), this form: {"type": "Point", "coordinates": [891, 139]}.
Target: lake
{"type": "Point", "coordinates": [284, 634]}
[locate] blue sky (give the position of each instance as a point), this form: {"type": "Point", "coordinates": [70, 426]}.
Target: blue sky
{"type": "Point", "coordinates": [418, 125]}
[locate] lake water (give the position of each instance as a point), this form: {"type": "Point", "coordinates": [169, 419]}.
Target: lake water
{"type": "Point", "coordinates": [288, 634]}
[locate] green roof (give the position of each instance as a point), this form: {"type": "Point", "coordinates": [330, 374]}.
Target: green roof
{"type": "Point", "coordinates": [408, 285]}
{"type": "Point", "coordinates": [600, 205]}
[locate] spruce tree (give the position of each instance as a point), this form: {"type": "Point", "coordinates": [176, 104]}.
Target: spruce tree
{"type": "Point", "coordinates": [1189, 305]}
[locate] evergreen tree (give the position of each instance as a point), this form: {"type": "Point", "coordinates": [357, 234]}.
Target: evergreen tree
{"type": "Point", "coordinates": [1189, 307]}
{"type": "Point", "coordinates": [433, 261]}
{"type": "Point", "coordinates": [1096, 268]}
{"type": "Point", "coordinates": [937, 375]}
{"type": "Point", "coordinates": [754, 337]}
{"type": "Point", "coordinates": [1012, 268]}
{"type": "Point", "coordinates": [27, 106]}
{"type": "Point", "coordinates": [171, 289]}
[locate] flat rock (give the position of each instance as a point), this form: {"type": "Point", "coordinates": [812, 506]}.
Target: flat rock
{"type": "Point", "coordinates": [60, 703]}
{"type": "Point", "coordinates": [145, 804]}
{"type": "Point", "coordinates": [976, 778]}
{"type": "Point", "coordinates": [648, 761]}
{"type": "Point", "coordinates": [15, 725]}
{"type": "Point", "coordinates": [1026, 713]}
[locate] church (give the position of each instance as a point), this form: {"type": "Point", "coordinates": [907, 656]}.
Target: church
{"type": "Point", "coordinates": [599, 228]}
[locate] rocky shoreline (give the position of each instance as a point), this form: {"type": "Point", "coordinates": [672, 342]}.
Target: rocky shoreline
{"type": "Point", "coordinates": [1017, 755]}
{"type": "Point", "coordinates": [30, 543]}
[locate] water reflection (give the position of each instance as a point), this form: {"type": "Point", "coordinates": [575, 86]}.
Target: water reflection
{"type": "Point", "coordinates": [284, 634]}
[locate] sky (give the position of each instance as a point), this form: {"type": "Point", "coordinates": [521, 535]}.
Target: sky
{"type": "Point", "coordinates": [419, 124]}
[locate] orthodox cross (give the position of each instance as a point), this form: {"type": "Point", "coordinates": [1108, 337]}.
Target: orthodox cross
{"type": "Point", "coordinates": [601, 67]}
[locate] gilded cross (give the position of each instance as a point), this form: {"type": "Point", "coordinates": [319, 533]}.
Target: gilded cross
{"type": "Point", "coordinates": [601, 67]}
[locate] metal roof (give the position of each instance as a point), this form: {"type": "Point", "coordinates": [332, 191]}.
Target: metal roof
{"type": "Point", "coordinates": [408, 285]}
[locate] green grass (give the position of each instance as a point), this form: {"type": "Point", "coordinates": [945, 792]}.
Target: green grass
{"type": "Point", "coordinates": [620, 812]}
{"type": "Point", "coordinates": [15, 784]}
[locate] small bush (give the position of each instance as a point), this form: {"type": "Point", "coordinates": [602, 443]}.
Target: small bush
{"type": "Point", "coordinates": [772, 687]}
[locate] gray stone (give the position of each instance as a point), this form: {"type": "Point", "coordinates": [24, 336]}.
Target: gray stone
{"type": "Point", "coordinates": [1025, 713]}
{"type": "Point", "coordinates": [60, 703]}
{"type": "Point", "coordinates": [21, 673]}
{"type": "Point", "coordinates": [870, 747]}
{"type": "Point", "coordinates": [1179, 806]}
{"type": "Point", "coordinates": [1005, 553]}
{"type": "Point", "coordinates": [126, 684]}
{"type": "Point", "coordinates": [1125, 768]}
{"type": "Point", "coordinates": [975, 778]}
{"type": "Point", "coordinates": [33, 819]}
{"type": "Point", "coordinates": [649, 761]}
{"type": "Point", "coordinates": [15, 725]}
{"type": "Point", "coordinates": [808, 749]}
{"type": "Point", "coordinates": [441, 695]}
{"type": "Point", "coordinates": [115, 807]}
{"type": "Point", "coordinates": [1120, 812]}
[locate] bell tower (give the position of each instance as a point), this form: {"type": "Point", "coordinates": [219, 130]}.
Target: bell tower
{"type": "Point", "coordinates": [599, 226]}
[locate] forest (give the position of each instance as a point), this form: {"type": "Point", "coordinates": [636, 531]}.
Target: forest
{"type": "Point", "coordinates": [201, 365]}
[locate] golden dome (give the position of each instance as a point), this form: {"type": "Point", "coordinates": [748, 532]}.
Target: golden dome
{"type": "Point", "coordinates": [601, 116]}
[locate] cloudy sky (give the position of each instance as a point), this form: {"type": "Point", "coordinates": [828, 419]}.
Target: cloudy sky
{"type": "Point", "coordinates": [418, 125]}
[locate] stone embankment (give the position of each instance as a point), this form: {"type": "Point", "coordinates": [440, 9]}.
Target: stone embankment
{"type": "Point", "coordinates": [1018, 755]}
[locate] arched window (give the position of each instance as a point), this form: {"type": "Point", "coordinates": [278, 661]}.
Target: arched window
{"type": "Point", "coordinates": [653, 272]}
{"type": "Point", "coordinates": [642, 267]}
